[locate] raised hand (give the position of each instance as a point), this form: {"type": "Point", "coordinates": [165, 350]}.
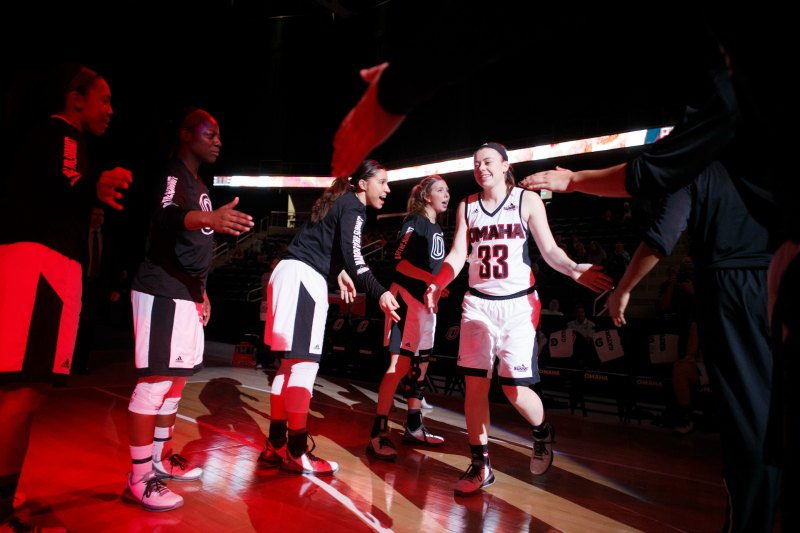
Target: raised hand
{"type": "Point", "coordinates": [346, 287]}
{"type": "Point", "coordinates": [364, 128]}
{"type": "Point", "coordinates": [591, 276]}
{"type": "Point", "coordinates": [557, 180]}
{"type": "Point", "coordinates": [431, 297]}
{"type": "Point", "coordinates": [110, 184]}
{"type": "Point", "coordinates": [616, 303]}
{"type": "Point", "coordinates": [389, 305]}
{"type": "Point", "coordinates": [228, 220]}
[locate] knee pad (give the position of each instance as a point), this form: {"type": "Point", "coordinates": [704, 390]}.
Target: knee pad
{"type": "Point", "coordinates": [300, 378]}
{"type": "Point", "coordinates": [170, 406]}
{"type": "Point", "coordinates": [147, 398]}
{"type": "Point", "coordinates": [413, 389]}
{"type": "Point", "coordinates": [410, 382]}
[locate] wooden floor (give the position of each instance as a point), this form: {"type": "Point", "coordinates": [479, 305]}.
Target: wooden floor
{"type": "Point", "coordinates": [607, 475]}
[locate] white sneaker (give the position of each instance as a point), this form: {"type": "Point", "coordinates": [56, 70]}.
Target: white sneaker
{"type": "Point", "coordinates": [176, 467]}
{"type": "Point", "coordinates": [422, 437]}
{"type": "Point", "coordinates": [382, 447]}
{"type": "Point", "coordinates": [152, 494]}
{"type": "Point", "coordinates": [542, 452]}
{"type": "Point", "coordinates": [424, 404]}
{"type": "Point", "coordinates": [477, 476]}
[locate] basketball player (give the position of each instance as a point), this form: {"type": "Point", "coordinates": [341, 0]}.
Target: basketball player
{"type": "Point", "coordinates": [297, 309]}
{"type": "Point", "coordinates": [46, 208]}
{"type": "Point", "coordinates": [171, 308]}
{"type": "Point", "coordinates": [500, 312]}
{"type": "Point", "coordinates": [419, 255]}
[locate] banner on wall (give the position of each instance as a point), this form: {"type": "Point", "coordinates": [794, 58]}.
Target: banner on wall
{"type": "Point", "coordinates": [608, 345]}
{"type": "Point", "coordinates": [663, 348]}
{"type": "Point", "coordinates": [561, 343]}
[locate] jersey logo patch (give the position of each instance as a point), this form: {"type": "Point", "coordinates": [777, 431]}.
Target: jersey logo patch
{"type": "Point", "coordinates": [70, 165]}
{"type": "Point", "coordinates": [205, 205]}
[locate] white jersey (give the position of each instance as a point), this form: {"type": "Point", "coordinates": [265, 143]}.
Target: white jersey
{"type": "Point", "coordinates": [499, 264]}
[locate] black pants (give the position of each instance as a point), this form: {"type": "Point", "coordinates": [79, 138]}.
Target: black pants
{"type": "Point", "coordinates": [733, 331]}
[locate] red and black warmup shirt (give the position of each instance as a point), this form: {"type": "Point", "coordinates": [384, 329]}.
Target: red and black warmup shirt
{"type": "Point", "coordinates": [49, 195]}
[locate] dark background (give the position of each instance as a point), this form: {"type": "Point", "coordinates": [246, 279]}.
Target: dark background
{"type": "Point", "coordinates": [280, 76]}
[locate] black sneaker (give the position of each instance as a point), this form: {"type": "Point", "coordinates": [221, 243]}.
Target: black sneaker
{"type": "Point", "coordinates": [382, 447]}
{"type": "Point", "coordinates": [477, 476]}
{"type": "Point", "coordinates": [542, 455]}
{"type": "Point", "coordinates": [272, 456]}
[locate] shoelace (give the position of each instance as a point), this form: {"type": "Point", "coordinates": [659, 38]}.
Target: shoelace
{"type": "Point", "coordinates": [178, 460]}
{"type": "Point", "coordinates": [539, 449]}
{"type": "Point", "coordinates": [474, 471]}
{"type": "Point", "coordinates": [386, 442]}
{"type": "Point", "coordinates": [154, 485]}
{"type": "Point", "coordinates": [311, 456]}
{"type": "Point", "coordinates": [420, 433]}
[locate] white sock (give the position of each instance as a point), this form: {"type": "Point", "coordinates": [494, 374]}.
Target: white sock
{"type": "Point", "coordinates": [141, 461]}
{"type": "Point", "coordinates": [160, 441]}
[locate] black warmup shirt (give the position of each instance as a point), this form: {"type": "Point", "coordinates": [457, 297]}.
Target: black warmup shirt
{"type": "Point", "coordinates": [732, 210]}
{"type": "Point", "coordinates": [421, 243]}
{"type": "Point", "coordinates": [723, 233]}
{"type": "Point", "coordinates": [177, 260]}
{"type": "Point", "coordinates": [339, 231]}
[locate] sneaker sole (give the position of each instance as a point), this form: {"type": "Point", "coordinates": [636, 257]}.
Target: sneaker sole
{"type": "Point", "coordinates": [269, 464]}
{"type": "Point", "coordinates": [372, 453]}
{"type": "Point", "coordinates": [546, 468]}
{"type": "Point", "coordinates": [160, 475]}
{"type": "Point", "coordinates": [488, 482]}
{"type": "Point", "coordinates": [308, 472]}
{"type": "Point", "coordinates": [416, 441]}
{"type": "Point", "coordinates": [128, 497]}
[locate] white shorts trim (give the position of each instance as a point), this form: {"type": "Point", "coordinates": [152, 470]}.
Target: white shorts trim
{"type": "Point", "coordinates": [297, 310]}
{"type": "Point", "coordinates": [502, 331]}
{"type": "Point", "coordinates": [169, 335]}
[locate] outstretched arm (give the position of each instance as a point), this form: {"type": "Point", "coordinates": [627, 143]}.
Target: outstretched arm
{"type": "Point", "coordinates": [364, 128]}
{"type": "Point", "coordinates": [452, 264]}
{"type": "Point", "coordinates": [586, 274]}
{"type": "Point", "coordinates": [226, 219]}
{"type": "Point", "coordinates": [608, 181]}
{"type": "Point", "coordinates": [642, 262]}
{"type": "Point", "coordinates": [405, 267]}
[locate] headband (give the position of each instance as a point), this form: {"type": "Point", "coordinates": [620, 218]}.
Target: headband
{"type": "Point", "coordinates": [497, 147]}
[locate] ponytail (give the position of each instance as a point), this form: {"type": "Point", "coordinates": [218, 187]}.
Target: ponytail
{"type": "Point", "coordinates": [323, 204]}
